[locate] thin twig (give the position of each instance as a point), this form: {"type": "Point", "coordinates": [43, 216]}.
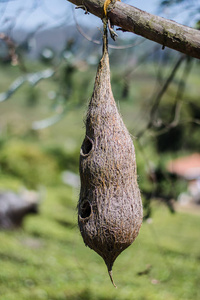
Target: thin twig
{"type": "Point", "coordinates": [160, 94]}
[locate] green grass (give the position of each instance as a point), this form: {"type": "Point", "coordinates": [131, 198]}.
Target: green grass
{"type": "Point", "coordinates": [48, 259]}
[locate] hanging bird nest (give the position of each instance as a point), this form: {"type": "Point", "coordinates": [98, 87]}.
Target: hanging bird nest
{"type": "Point", "coordinates": [109, 207]}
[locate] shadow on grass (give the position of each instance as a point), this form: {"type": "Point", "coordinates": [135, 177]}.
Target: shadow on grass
{"type": "Point", "coordinates": [83, 295]}
{"type": "Point", "coordinates": [46, 237]}
{"type": "Point", "coordinates": [176, 253]}
{"type": "Point", "coordinates": [13, 258]}
{"type": "Point", "coordinates": [66, 224]}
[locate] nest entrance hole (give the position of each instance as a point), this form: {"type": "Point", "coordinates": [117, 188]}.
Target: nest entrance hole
{"type": "Point", "coordinates": [85, 209]}
{"type": "Point", "coordinates": [87, 146]}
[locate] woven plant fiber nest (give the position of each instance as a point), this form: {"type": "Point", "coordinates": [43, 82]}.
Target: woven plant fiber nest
{"type": "Point", "coordinates": [109, 207]}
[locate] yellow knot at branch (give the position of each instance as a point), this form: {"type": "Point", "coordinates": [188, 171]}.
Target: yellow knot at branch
{"type": "Point", "coordinates": [106, 5]}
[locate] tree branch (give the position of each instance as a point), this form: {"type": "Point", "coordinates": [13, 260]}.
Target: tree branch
{"type": "Point", "coordinates": [160, 30]}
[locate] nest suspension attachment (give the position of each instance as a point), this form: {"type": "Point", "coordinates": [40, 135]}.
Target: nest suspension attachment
{"type": "Point", "coordinates": [109, 206]}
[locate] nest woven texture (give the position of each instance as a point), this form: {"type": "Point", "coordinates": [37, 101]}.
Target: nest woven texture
{"type": "Point", "coordinates": [110, 207]}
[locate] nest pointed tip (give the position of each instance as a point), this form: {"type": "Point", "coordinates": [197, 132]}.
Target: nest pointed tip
{"type": "Point", "coordinates": [111, 278]}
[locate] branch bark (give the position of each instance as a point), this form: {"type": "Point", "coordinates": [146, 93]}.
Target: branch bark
{"type": "Point", "coordinates": [160, 30]}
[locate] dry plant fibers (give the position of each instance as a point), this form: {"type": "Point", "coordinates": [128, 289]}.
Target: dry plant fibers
{"type": "Point", "coordinates": [109, 207]}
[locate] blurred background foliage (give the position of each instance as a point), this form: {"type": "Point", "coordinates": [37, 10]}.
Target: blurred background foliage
{"type": "Point", "coordinates": [44, 92]}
